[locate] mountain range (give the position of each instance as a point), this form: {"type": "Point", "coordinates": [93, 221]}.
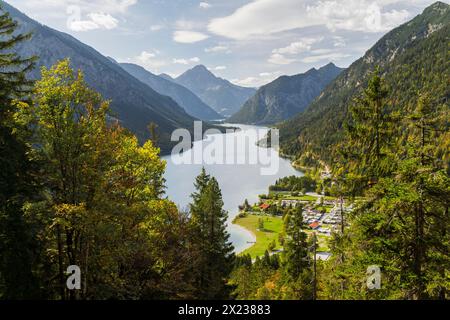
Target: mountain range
{"type": "Point", "coordinates": [133, 103]}
{"type": "Point", "coordinates": [221, 95]}
{"type": "Point", "coordinates": [412, 58]}
{"type": "Point", "coordinates": [285, 97]}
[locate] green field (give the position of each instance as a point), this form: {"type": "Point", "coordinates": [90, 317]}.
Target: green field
{"type": "Point", "coordinates": [272, 227]}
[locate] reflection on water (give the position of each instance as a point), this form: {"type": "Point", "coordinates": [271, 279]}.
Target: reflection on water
{"type": "Point", "coordinates": [238, 182]}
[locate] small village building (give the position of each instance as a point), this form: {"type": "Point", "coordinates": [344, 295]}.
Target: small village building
{"type": "Point", "coordinates": [315, 225]}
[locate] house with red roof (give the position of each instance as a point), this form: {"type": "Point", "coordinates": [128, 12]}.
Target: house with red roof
{"type": "Point", "coordinates": [315, 225]}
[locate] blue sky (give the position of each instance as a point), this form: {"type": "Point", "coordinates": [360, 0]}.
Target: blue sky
{"type": "Point", "coordinates": [250, 42]}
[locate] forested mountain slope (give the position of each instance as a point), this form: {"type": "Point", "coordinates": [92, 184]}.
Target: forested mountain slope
{"type": "Point", "coordinates": [412, 58]}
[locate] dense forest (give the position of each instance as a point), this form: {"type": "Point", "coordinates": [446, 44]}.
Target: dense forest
{"type": "Point", "coordinates": [412, 58]}
{"type": "Point", "coordinates": [299, 184]}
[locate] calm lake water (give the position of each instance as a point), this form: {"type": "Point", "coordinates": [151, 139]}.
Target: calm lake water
{"type": "Point", "coordinates": [239, 181]}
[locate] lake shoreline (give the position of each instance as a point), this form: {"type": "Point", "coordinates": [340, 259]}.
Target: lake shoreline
{"type": "Point", "coordinates": [237, 182]}
{"type": "Point", "coordinates": [273, 227]}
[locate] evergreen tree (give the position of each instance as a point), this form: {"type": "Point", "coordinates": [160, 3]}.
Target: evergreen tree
{"type": "Point", "coordinates": [297, 268]}
{"type": "Point", "coordinates": [367, 150]}
{"type": "Point", "coordinates": [17, 239]}
{"type": "Point", "coordinates": [197, 213]}
{"type": "Point", "coordinates": [215, 252]}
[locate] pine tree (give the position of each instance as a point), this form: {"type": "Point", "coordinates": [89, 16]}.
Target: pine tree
{"type": "Point", "coordinates": [297, 265]}
{"type": "Point", "coordinates": [16, 170]}
{"type": "Point", "coordinates": [215, 253]}
{"type": "Point", "coordinates": [200, 184]}
{"type": "Point", "coordinates": [369, 136]}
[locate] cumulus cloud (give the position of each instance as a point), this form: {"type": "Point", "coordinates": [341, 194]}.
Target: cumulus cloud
{"type": "Point", "coordinates": [94, 21]}
{"type": "Point", "coordinates": [305, 44]}
{"type": "Point", "coordinates": [78, 15]}
{"type": "Point", "coordinates": [189, 36]}
{"type": "Point", "coordinates": [257, 81]}
{"type": "Point", "coordinates": [103, 20]}
{"type": "Point", "coordinates": [220, 68]}
{"type": "Point", "coordinates": [86, 15]}
{"type": "Point", "coordinates": [278, 58]}
{"type": "Point", "coordinates": [246, 82]}
{"type": "Point", "coordinates": [204, 5]}
{"type": "Point", "coordinates": [366, 16]}
{"type": "Point", "coordinates": [263, 17]}
{"type": "Point", "coordinates": [150, 60]}
{"type": "Point", "coordinates": [284, 55]}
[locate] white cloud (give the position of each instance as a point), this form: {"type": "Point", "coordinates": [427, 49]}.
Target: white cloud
{"type": "Point", "coordinates": [82, 25]}
{"type": "Point", "coordinates": [180, 61]}
{"type": "Point", "coordinates": [220, 68]}
{"type": "Point", "coordinates": [218, 49]}
{"type": "Point", "coordinates": [186, 61]}
{"type": "Point", "coordinates": [265, 17]}
{"type": "Point", "coordinates": [246, 82]}
{"type": "Point", "coordinates": [105, 21]}
{"type": "Point", "coordinates": [277, 58]}
{"type": "Point", "coordinates": [204, 5]}
{"type": "Point", "coordinates": [149, 60]}
{"type": "Point", "coordinates": [283, 56]}
{"type": "Point", "coordinates": [366, 16]}
{"type": "Point", "coordinates": [303, 45]}
{"type": "Point", "coordinates": [189, 36]}
{"type": "Point", "coordinates": [269, 74]}
{"type": "Point", "coordinates": [95, 21]}
{"type": "Point", "coordinates": [83, 15]}
{"type": "Point", "coordinates": [257, 81]}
